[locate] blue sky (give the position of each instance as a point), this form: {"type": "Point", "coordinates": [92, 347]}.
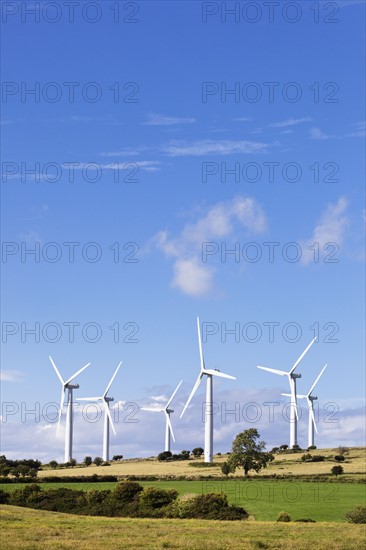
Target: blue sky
{"type": "Point", "coordinates": [169, 137]}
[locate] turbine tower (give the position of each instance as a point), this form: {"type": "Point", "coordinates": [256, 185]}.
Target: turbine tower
{"type": "Point", "coordinates": [292, 376]}
{"type": "Point", "coordinates": [167, 412]}
{"type": "Point", "coordinates": [209, 373]}
{"type": "Point", "coordinates": [310, 398]}
{"type": "Point", "coordinates": [108, 422]}
{"type": "Point", "coordinates": [69, 411]}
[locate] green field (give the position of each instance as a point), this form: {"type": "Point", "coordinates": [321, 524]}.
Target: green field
{"type": "Point", "coordinates": [25, 529]}
{"type": "Point", "coordinates": [263, 499]}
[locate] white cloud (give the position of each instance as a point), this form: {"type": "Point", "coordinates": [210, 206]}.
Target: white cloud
{"type": "Point", "coordinates": [190, 274]}
{"type": "Point", "coordinates": [155, 119]}
{"type": "Point", "coordinates": [359, 129]}
{"type": "Point", "coordinates": [208, 147]}
{"type": "Point", "coordinates": [316, 133]}
{"type": "Point", "coordinates": [330, 229]}
{"type": "Point", "coordinates": [290, 122]}
{"type": "Point", "coordinates": [242, 119]}
{"type": "Point", "coordinates": [11, 376]}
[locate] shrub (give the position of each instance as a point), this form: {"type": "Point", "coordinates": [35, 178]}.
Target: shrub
{"type": "Point", "coordinates": [127, 491]}
{"type": "Point", "coordinates": [226, 468]}
{"type": "Point", "coordinates": [337, 470]}
{"type": "Point", "coordinates": [152, 499]}
{"type": "Point", "coordinates": [88, 460]}
{"type": "Point", "coordinates": [283, 516]}
{"type": "Point", "coordinates": [164, 456]}
{"type": "Point", "coordinates": [283, 447]}
{"type": "Point", "coordinates": [339, 458]}
{"type": "Point", "coordinates": [197, 452]}
{"type": "Point", "coordinates": [53, 464]}
{"type": "Point", "coordinates": [98, 461]}
{"type": "Point", "coordinates": [311, 448]}
{"type": "Point", "coordinates": [4, 497]}
{"type": "Point", "coordinates": [117, 457]}
{"type": "Point", "coordinates": [357, 515]}
{"type": "Point", "coordinates": [207, 506]}
{"type": "Point", "coordinates": [306, 520]}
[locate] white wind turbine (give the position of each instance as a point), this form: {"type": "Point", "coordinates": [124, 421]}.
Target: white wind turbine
{"type": "Point", "coordinates": [209, 373]}
{"type": "Point", "coordinates": [292, 376]}
{"type": "Point", "coordinates": [310, 398]}
{"type": "Point", "coordinates": [167, 412]}
{"type": "Point", "coordinates": [107, 413]}
{"type": "Point", "coordinates": [69, 412]}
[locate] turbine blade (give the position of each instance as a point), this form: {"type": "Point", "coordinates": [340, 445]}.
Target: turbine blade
{"type": "Point", "coordinates": [311, 412]}
{"type": "Point", "coordinates": [302, 396]}
{"type": "Point", "coordinates": [108, 412]}
{"type": "Point", "coordinates": [57, 371]}
{"type": "Point", "coordinates": [218, 373]}
{"type": "Point", "coordinates": [113, 377]}
{"type": "Point", "coordinates": [152, 410]}
{"type": "Point", "coordinates": [200, 344]}
{"type": "Point", "coordinates": [170, 425]}
{"type": "Point", "coordinates": [287, 394]}
{"type": "Point", "coordinates": [317, 380]}
{"type": "Point", "coordinates": [197, 383]}
{"type": "Point", "coordinates": [173, 394]}
{"type": "Point", "coordinates": [302, 355]}
{"type": "Point", "coordinates": [275, 371]}
{"type": "Point", "coordinates": [78, 372]}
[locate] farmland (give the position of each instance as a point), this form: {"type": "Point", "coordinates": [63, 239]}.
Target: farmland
{"type": "Point", "coordinates": [31, 529]}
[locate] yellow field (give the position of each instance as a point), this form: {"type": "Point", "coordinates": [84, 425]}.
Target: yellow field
{"type": "Point", "coordinates": [26, 529]}
{"type": "Point", "coordinates": [284, 464]}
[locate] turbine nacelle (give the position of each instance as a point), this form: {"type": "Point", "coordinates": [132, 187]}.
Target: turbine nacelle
{"type": "Point", "coordinates": [166, 410]}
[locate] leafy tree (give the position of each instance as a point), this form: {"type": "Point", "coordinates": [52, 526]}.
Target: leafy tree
{"type": "Point", "coordinates": [337, 470]}
{"type": "Point", "coordinates": [164, 456]}
{"type": "Point", "coordinates": [98, 461]}
{"type": "Point", "coordinates": [248, 453]}
{"type": "Point", "coordinates": [117, 457]}
{"type": "Point", "coordinates": [53, 464]}
{"type": "Point", "coordinates": [226, 468]}
{"type": "Point", "coordinates": [283, 447]}
{"type": "Point", "coordinates": [88, 460]}
{"type": "Point", "coordinates": [197, 452]}
{"type": "Point", "coordinates": [72, 462]}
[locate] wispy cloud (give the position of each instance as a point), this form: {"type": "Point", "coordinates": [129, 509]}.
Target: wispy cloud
{"type": "Point", "coordinates": [359, 129]}
{"type": "Point", "coordinates": [190, 274]}
{"type": "Point", "coordinates": [146, 165]}
{"type": "Point", "coordinates": [316, 133]}
{"type": "Point", "coordinates": [210, 147]}
{"type": "Point", "coordinates": [11, 376]}
{"type": "Point", "coordinates": [155, 119]}
{"type": "Point", "coordinates": [330, 229]}
{"type": "Point", "coordinates": [290, 122]}
{"type": "Point", "coordinates": [128, 152]}
{"type": "Point", "coordinates": [242, 119]}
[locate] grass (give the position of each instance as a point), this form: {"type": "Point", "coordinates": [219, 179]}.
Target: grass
{"type": "Point", "coordinates": [263, 499]}
{"type": "Point", "coordinates": [284, 464]}
{"type": "Point", "coordinates": [26, 529]}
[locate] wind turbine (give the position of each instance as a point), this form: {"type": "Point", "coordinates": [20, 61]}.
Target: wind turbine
{"type": "Point", "coordinates": [69, 411]}
{"type": "Point", "coordinates": [209, 373]}
{"type": "Point", "coordinates": [107, 413]}
{"type": "Point", "coordinates": [310, 398]}
{"type": "Point", "coordinates": [167, 412]}
{"type": "Point", "coordinates": [292, 376]}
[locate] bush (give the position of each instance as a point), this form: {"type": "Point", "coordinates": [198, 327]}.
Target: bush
{"type": "Point", "coordinates": [127, 491]}
{"type": "Point", "coordinates": [98, 461]}
{"type": "Point", "coordinates": [306, 520]}
{"type": "Point", "coordinates": [117, 457]}
{"type": "Point", "coordinates": [312, 448]}
{"type": "Point", "coordinates": [339, 458]}
{"type": "Point", "coordinates": [357, 515]}
{"type": "Point", "coordinates": [207, 506]}
{"type": "Point", "coordinates": [226, 468]}
{"type": "Point", "coordinates": [164, 456]}
{"type": "Point", "coordinates": [53, 464]}
{"type": "Point", "coordinates": [283, 516]}
{"type": "Point", "coordinates": [88, 460]}
{"type": "Point", "coordinates": [337, 470]}
{"type": "Point", "coordinates": [153, 499]}
{"type": "Point", "coordinates": [197, 452]}
{"type": "Point", "coordinates": [4, 497]}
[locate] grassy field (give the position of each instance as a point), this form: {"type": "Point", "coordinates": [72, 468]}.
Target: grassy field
{"type": "Point", "coordinates": [26, 529]}
{"type": "Point", "coordinates": [263, 499]}
{"type": "Point", "coordinates": [284, 464]}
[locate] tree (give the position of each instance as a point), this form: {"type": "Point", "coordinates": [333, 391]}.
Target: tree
{"type": "Point", "coordinates": [283, 447]}
{"type": "Point", "coordinates": [226, 468]}
{"type": "Point", "coordinates": [53, 464]}
{"type": "Point", "coordinates": [88, 460]}
{"type": "Point", "coordinates": [164, 456]}
{"type": "Point", "coordinates": [197, 452]}
{"type": "Point", "coordinates": [72, 462]}
{"type": "Point", "coordinates": [98, 461]}
{"type": "Point", "coordinates": [339, 458]}
{"type": "Point", "coordinates": [117, 457]}
{"type": "Point", "coordinates": [337, 470]}
{"type": "Point", "coordinates": [248, 453]}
